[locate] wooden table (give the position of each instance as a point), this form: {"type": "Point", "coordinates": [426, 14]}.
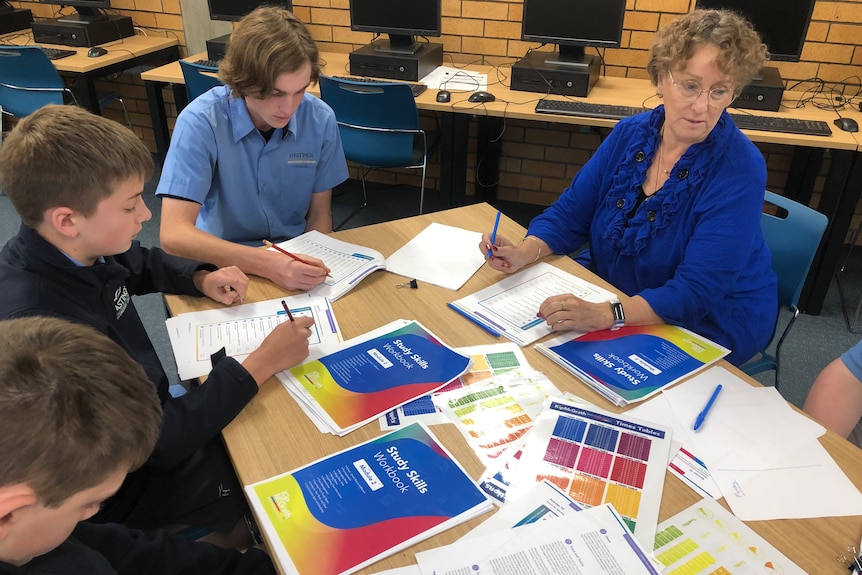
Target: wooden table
{"type": "Point", "coordinates": [272, 434]}
{"type": "Point", "coordinates": [122, 54]}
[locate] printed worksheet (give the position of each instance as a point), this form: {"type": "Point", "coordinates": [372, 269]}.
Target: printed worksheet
{"type": "Point", "coordinates": [348, 263]}
{"type": "Point", "coordinates": [510, 306]}
{"type": "Point", "coordinates": [488, 361]}
{"type": "Point", "coordinates": [240, 330]}
{"type": "Point", "coordinates": [706, 539]}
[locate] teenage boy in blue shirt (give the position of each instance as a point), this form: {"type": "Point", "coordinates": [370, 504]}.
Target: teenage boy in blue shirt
{"type": "Point", "coordinates": [255, 159]}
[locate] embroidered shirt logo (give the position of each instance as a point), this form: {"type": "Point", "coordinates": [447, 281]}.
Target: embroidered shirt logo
{"type": "Point", "coordinates": [121, 300]}
{"type": "Point", "coordinates": [301, 159]}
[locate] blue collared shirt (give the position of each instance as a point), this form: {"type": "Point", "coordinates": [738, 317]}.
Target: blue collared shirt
{"type": "Point", "coordinates": [250, 188]}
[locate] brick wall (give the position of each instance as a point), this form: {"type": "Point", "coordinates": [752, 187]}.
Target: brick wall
{"type": "Point", "coordinates": [538, 158]}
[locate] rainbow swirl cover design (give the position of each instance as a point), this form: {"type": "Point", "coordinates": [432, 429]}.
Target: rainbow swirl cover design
{"type": "Point", "coordinates": [346, 511]}
{"type": "Point", "coordinates": [633, 363]}
{"type": "Point", "coordinates": [364, 380]}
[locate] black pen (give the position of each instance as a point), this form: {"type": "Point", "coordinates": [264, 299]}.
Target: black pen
{"type": "Point", "coordinates": [287, 310]}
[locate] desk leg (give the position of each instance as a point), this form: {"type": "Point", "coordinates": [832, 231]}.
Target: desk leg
{"type": "Point", "coordinates": [454, 133]}
{"type": "Point", "coordinates": [803, 173]}
{"type": "Point", "coordinates": [158, 117]}
{"type": "Point", "coordinates": [840, 194]}
{"type": "Point", "coordinates": [84, 89]}
{"type": "Point", "coordinates": [489, 148]}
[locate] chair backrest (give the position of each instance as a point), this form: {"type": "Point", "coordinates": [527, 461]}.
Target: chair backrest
{"type": "Point", "coordinates": [793, 241]}
{"type": "Point", "coordinates": [196, 81]}
{"type": "Point", "coordinates": [377, 122]}
{"type": "Point", "coordinates": [28, 80]}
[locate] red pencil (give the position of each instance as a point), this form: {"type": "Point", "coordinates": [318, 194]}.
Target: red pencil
{"type": "Point", "coordinates": [290, 255]}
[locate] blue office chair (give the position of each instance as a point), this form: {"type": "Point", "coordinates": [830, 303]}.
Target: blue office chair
{"type": "Point", "coordinates": [793, 240]}
{"type": "Point", "coordinates": [197, 82]}
{"type": "Point", "coordinates": [29, 81]}
{"type": "Point", "coordinates": [379, 126]}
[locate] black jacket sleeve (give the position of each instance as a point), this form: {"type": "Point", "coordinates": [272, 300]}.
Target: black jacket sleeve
{"type": "Point", "coordinates": [133, 552]}
{"type": "Point", "coordinates": [152, 270]}
{"type": "Point", "coordinates": [194, 418]}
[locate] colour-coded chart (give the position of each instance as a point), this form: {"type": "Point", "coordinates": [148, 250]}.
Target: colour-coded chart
{"type": "Point", "coordinates": [597, 457]}
{"type": "Point", "coordinates": [706, 539]}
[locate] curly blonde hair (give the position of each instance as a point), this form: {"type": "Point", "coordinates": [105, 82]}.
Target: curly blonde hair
{"type": "Point", "coordinates": [741, 50]}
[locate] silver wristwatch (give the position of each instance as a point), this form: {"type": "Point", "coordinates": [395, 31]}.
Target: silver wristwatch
{"type": "Point", "coordinates": [619, 314]}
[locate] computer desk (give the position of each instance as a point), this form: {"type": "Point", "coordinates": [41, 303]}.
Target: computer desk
{"type": "Point", "coordinates": [843, 179]}
{"type": "Point", "coordinates": [272, 435]}
{"type": "Point", "coordinates": [122, 54]}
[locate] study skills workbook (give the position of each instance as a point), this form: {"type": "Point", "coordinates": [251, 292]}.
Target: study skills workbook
{"type": "Point", "coordinates": [350, 509]}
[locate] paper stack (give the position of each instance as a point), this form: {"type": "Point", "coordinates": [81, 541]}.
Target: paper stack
{"type": "Point", "coordinates": [372, 374]}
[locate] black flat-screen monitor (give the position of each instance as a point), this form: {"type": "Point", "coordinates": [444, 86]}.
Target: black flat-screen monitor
{"type": "Point", "coordinates": [401, 20]}
{"type": "Point", "coordinates": [782, 24]}
{"type": "Point", "coordinates": [86, 10]}
{"type": "Point", "coordinates": [572, 25]}
{"type": "Point", "coordinates": [234, 10]}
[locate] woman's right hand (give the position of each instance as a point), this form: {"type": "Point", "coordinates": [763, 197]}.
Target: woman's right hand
{"type": "Point", "coordinates": [508, 257]}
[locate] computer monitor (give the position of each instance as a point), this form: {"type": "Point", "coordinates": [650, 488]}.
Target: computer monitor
{"type": "Point", "coordinates": [782, 24]}
{"type": "Point", "coordinates": [401, 20]}
{"type": "Point", "coordinates": [86, 10]}
{"type": "Point", "coordinates": [234, 10]}
{"type": "Point", "coordinates": [573, 25]}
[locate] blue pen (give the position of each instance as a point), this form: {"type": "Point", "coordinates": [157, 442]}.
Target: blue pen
{"type": "Point", "coordinates": [494, 233]}
{"type": "Point", "coordinates": [702, 415]}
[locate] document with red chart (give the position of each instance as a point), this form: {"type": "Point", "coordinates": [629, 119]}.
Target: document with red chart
{"type": "Point", "coordinates": [597, 457]}
{"type": "Point", "coordinates": [355, 507]}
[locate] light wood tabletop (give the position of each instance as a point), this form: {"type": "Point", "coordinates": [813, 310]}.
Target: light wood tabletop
{"type": "Point", "coordinates": [272, 435]}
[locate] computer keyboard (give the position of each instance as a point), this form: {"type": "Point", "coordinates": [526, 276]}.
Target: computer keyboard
{"type": "Point", "coordinates": [57, 53]}
{"type": "Point", "coordinates": [416, 87]}
{"type": "Point", "coordinates": [207, 63]}
{"type": "Point", "coordinates": [586, 109]}
{"type": "Point", "coordinates": [785, 125]}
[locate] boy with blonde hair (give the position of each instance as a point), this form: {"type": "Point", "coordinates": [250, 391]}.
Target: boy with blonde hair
{"type": "Point", "coordinates": [77, 180]}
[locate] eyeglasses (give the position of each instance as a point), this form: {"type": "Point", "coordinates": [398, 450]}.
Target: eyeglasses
{"type": "Point", "coordinates": [691, 90]}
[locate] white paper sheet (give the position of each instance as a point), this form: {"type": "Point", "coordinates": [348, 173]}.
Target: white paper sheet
{"type": "Point", "coordinates": [763, 455]}
{"type": "Point", "coordinates": [591, 541]}
{"type": "Point", "coordinates": [195, 336]}
{"type": "Point", "coordinates": [449, 78]}
{"type": "Point", "coordinates": [442, 255]}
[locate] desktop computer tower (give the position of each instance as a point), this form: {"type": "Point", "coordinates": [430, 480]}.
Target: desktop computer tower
{"type": "Point", "coordinates": [762, 93]}
{"type": "Point", "coordinates": [217, 47]}
{"type": "Point", "coordinates": [14, 20]}
{"type": "Point", "coordinates": [533, 74]}
{"type": "Point", "coordinates": [366, 61]}
{"type": "Point", "coordinates": [82, 34]}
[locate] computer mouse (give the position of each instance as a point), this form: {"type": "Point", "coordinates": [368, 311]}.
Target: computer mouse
{"type": "Point", "coordinates": [444, 96]}
{"type": "Point", "coordinates": [846, 124]}
{"type": "Point", "coordinates": [481, 96]}
{"type": "Point", "coordinates": [96, 51]}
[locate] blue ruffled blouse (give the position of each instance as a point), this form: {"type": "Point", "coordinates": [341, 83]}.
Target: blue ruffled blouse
{"type": "Point", "coordinates": [694, 250]}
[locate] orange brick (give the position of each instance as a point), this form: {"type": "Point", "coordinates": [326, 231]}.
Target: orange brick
{"type": "Point", "coordinates": [462, 26]}
{"type": "Point", "coordinates": [328, 16]}
{"type": "Point", "coordinates": [483, 46]}
{"type": "Point", "coordinates": [494, 29]}
{"type": "Point", "coordinates": [169, 21]}
{"type": "Point", "coordinates": [171, 7]}
{"type": "Point", "coordinates": [451, 8]}
{"type": "Point", "coordinates": [641, 21]}
{"type": "Point", "coordinates": [546, 136]}
{"type": "Point", "coordinates": [672, 6]}
{"type": "Point", "coordinates": [832, 53]}
{"type": "Point", "coordinates": [844, 34]}
{"type": "Point", "coordinates": [486, 10]}
{"type": "Point", "coordinates": [149, 5]}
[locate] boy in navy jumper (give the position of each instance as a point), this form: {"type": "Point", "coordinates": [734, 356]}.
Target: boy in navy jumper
{"type": "Point", "coordinates": [76, 180]}
{"type": "Point", "coordinates": [76, 414]}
